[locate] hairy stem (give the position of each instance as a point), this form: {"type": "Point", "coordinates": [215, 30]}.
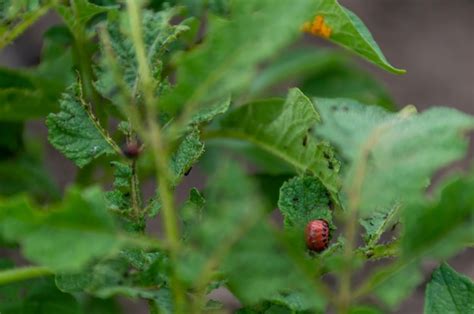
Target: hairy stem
{"type": "Point", "coordinates": [345, 297]}
{"type": "Point", "coordinates": [7, 36]}
{"type": "Point", "coordinates": [135, 191]}
{"type": "Point", "coordinates": [23, 273]}
{"type": "Point", "coordinates": [127, 103]}
{"type": "Point", "coordinates": [354, 200]}
{"type": "Point", "coordinates": [159, 150]}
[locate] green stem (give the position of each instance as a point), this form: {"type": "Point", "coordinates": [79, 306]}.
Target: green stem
{"type": "Point", "coordinates": [127, 103]}
{"type": "Point", "coordinates": [23, 273]}
{"type": "Point", "coordinates": [159, 150]}
{"type": "Point", "coordinates": [354, 200]}
{"type": "Point", "coordinates": [344, 299]}
{"type": "Point", "coordinates": [8, 36]}
{"type": "Point", "coordinates": [83, 55]}
{"type": "Point", "coordinates": [135, 191]}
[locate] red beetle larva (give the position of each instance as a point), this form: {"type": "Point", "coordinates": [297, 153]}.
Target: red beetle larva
{"type": "Point", "coordinates": [317, 235]}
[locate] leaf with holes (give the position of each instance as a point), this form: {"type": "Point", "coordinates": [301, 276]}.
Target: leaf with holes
{"type": "Point", "coordinates": [396, 151]}
{"type": "Point", "coordinates": [283, 129]}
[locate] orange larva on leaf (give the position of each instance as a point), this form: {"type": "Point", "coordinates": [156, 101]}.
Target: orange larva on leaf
{"type": "Point", "coordinates": [317, 235]}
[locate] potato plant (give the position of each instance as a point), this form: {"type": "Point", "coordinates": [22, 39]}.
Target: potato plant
{"type": "Point", "coordinates": [312, 193]}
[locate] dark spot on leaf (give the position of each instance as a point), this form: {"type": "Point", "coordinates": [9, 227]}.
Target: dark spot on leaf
{"type": "Point", "coordinates": [188, 171]}
{"type": "Point", "coordinates": [394, 226]}
{"type": "Point", "coordinates": [331, 204]}
{"type": "Point", "coordinates": [305, 140]}
{"type": "Point", "coordinates": [345, 109]}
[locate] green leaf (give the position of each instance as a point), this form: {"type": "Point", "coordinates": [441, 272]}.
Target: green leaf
{"type": "Point", "coordinates": [399, 286]}
{"type": "Point", "coordinates": [198, 8]}
{"type": "Point", "coordinates": [18, 16]}
{"type": "Point", "coordinates": [26, 173]}
{"type": "Point", "coordinates": [20, 104]}
{"type": "Point", "coordinates": [207, 113]}
{"type": "Point", "coordinates": [158, 34]}
{"type": "Point", "coordinates": [11, 142]}
{"type": "Point", "coordinates": [10, 8]}
{"type": "Point", "coordinates": [187, 153]}
{"type": "Point", "coordinates": [234, 238]}
{"type": "Point", "coordinates": [22, 169]}
{"type": "Point", "coordinates": [230, 213]}
{"type": "Point", "coordinates": [449, 292]}
{"type": "Point", "coordinates": [350, 32]}
{"type": "Point", "coordinates": [323, 73]}
{"type": "Point", "coordinates": [56, 67]}
{"type": "Point", "coordinates": [227, 60]}
{"type": "Point", "coordinates": [364, 310]}
{"type": "Point", "coordinates": [122, 175]}
{"type": "Point", "coordinates": [75, 131]}
{"type": "Point", "coordinates": [443, 225]}
{"type": "Point", "coordinates": [134, 274]}
{"type": "Point", "coordinates": [119, 197]}
{"type": "Point", "coordinates": [263, 160]}
{"type": "Point", "coordinates": [396, 151]}
{"type": "Point", "coordinates": [79, 13]}
{"type": "Point", "coordinates": [303, 199]}
{"type": "Point", "coordinates": [67, 237]}
{"type": "Point", "coordinates": [259, 268]}
{"type": "Point", "coordinates": [340, 78]}
{"type": "Point", "coordinates": [377, 223]}
{"type": "Point", "coordinates": [25, 95]}
{"type": "Point", "coordinates": [36, 296]}
{"type": "Point", "coordinates": [192, 211]}
{"type": "Point", "coordinates": [33, 93]}
{"type": "Point", "coordinates": [270, 186]}
{"type": "Point", "coordinates": [297, 302]}
{"type": "Point", "coordinates": [283, 129]}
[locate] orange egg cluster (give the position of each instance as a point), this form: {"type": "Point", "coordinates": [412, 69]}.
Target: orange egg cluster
{"type": "Point", "coordinates": [317, 27]}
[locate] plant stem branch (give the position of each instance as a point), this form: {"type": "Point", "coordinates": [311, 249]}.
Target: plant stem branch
{"type": "Point", "coordinates": [135, 191]}
{"type": "Point", "coordinates": [159, 150]}
{"type": "Point", "coordinates": [23, 273]}
{"type": "Point", "coordinates": [354, 200]}
{"type": "Point", "coordinates": [7, 36]}
{"type": "Point", "coordinates": [126, 103]}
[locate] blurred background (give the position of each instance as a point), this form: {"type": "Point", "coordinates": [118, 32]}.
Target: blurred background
{"type": "Point", "coordinates": [432, 39]}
